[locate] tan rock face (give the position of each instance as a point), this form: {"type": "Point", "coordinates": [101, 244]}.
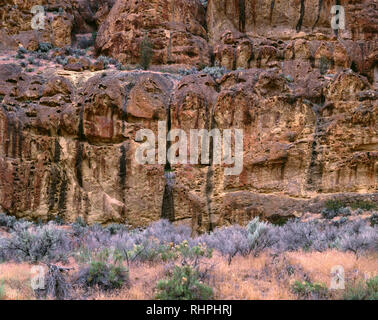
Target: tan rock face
{"type": "Point", "coordinates": [17, 19]}
{"type": "Point", "coordinates": [283, 20]}
{"type": "Point", "coordinates": [305, 99]}
{"type": "Point", "coordinates": [176, 30]}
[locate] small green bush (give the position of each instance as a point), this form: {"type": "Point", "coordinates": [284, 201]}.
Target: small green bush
{"type": "Point", "coordinates": [2, 291]}
{"type": "Point", "coordinates": [44, 47]}
{"type": "Point", "coordinates": [146, 52]}
{"type": "Point", "coordinates": [374, 219]}
{"type": "Point", "coordinates": [364, 205]}
{"type": "Point", "coordinates": [7, 221]}
{"type": "Point", "coordinates": [104, 269]}
{"type": "Point", "coordinates": [334, 205]}
{"type": "Point", "coordinates": [183, 284]}
{"type": "Point", "coordinates": [308, 289]}
{"type": "Point", "coordinates": [363, 291]}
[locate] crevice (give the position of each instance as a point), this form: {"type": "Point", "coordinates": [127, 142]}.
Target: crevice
{"type": "Point", "coordinates": [78, 164]}
{"type": "Point", "coordinates": [168, 210]}
{"type": "Point", "coordinates": [320, 5]}
{"type": "Point", "coordinates": [302, 12]}
{"type": "Point", "coordinates": [209, 188]}
{"type": "Point", "coordinates": [241, 15]}
{"type": "Point", "coordinates": [122, 167]}
{"type": "Point", "coordinates": [81, 125]}
{"type": "Point", "coordinates": [272, 4]}
{"type": "Point", "coordinates": [62, 196]}
{"type": "Point", "coordinates": [315, 170]}
{"type": "Point", "coordinates": [57, 151]}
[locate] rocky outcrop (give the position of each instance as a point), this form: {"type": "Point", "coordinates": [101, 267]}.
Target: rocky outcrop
{"type": "Point", "coordinates": [176, 30]}
{"type": "Point", "coordinates": [68, 144]}
{"type": "Point", "coordinates": [305, 98]}
{"type": "Point", "coordinates": [285, 19]}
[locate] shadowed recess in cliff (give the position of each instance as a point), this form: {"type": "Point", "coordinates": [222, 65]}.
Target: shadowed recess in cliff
{"type": "Point", "coordinates": [78, 163]}
{"type": "Point", "coordinates": [315, 170]}
{"type": "Point", "coordinates": [272, 4]}
{"type": "Point", "coordinates": [241, 15]}
{"type": "Point", "coordinates": [123, 174]}
{"type": "Point", "coordinates": [127, 90]}
{"type": "Point", "coordinates": [167, 209]}
{"type": "Point", "coordinates": [320, 5]}
{"type": "Point", "coordinates": [81, 124]}
{"type": "Point", "coordinates": [302, 12]}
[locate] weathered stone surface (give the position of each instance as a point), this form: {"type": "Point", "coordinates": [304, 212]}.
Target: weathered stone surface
{"type": "Point", "coordinates": [287, 19]}
{"type": "Point", "coordinates": [305, 98]}
{"type": "Point", "coordinates": [176, 30]}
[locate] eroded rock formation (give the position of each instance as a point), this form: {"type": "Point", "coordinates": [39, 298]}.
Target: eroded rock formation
{"type": "Point", "coordinates": [305, 97]}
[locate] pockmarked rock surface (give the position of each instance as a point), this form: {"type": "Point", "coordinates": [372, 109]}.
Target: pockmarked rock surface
{"type": "Point", "coordinates": [304, 96]}
{"type": "Point", "coordinates": [176, 29]}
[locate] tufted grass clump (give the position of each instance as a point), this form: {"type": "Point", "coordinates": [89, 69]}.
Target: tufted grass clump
{"type": "Point", "coordinates": [183, 283]}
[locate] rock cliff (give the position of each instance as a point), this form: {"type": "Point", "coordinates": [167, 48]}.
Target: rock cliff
{"type": "Point", "coordinates": [304, 95]}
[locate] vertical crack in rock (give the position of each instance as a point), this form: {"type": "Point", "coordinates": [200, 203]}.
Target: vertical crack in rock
{"type": "Point", "coordinates": [315, 170]}
{"type": "Point", "coordinates": [54, 180]}
{"type": "Point", "coordinates": [320, 5]}
{"type": "Point", "coordinates": [127, 90]}
{"type": "Point", "coordinates": [122, 167]}
{"type": "Point", "coordinates": [210, 124]}
{"type": "Point", "coordinates": [20, 139]}
{"type": "Point", "coordinates": [81, 125]}
{"type": "Point", "coordinates": [302, 12]}
{"type": "Point", "coordinates": [167, 210]}
{"type": "Point", "coordinates": [272, 4]}
{"type": "Point", "coordinates": [62, 196]}
{"type": "Point", "coordinates": [242, 16]}
{"type": "Point", "coordinates": [78, 163]}
{"type": "Point", "coordinates": [57, 151]}
{"type": "Point", "coordinates": [122, 176]}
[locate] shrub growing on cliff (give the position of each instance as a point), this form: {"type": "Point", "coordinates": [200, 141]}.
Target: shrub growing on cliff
{"type": "Point", "coordinates": [61, 60]}
{"type": "Point", "coordinates": [183, 283]}
{"type": "Point", "coordinates": [146, 52]}
{"type": "Point", "coordinates": [216, 72]}
{"type": "Point", "coordinates": [44, 47]}
{"type": "Point", "coordinates": [364, 205]}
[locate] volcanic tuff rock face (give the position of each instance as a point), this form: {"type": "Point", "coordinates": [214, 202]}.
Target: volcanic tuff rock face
{"type": "Point", "coordinates": [305, 98]}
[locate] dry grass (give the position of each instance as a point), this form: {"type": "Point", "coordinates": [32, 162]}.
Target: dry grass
{"type": "Point", "coordinates": [247, 278]}
{"type": "Point", "coordinates": [16, 281]}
